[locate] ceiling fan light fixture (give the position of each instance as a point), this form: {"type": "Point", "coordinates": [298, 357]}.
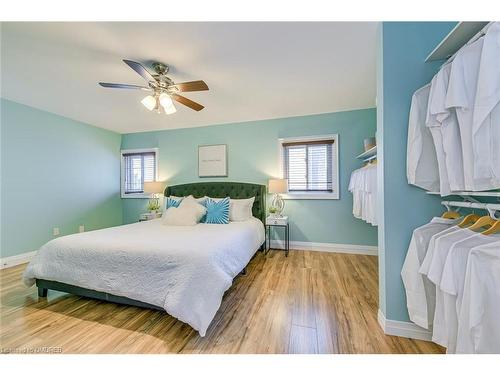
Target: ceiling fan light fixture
{"type": "Point", "coordinates": [167, 103]}
{"type": "Point", "coordinates": [169, 110]}
{"type": "Point", "coordinates": [165, 100]}
{"type": "Point", "coordinates": [149, 102]}
{"type": "Point", "coordinates": [162, 87]}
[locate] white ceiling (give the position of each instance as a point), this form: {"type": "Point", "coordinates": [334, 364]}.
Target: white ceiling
{"type": "Point", "coordinates": [254, 70]}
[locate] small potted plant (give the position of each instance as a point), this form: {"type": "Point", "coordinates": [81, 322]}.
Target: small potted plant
{"type": "Point", "coordinates": [153, 205]}
{"type": "Point", "coordinates": [273, 211]}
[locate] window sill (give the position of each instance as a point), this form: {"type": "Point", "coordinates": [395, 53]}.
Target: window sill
{"type": "Point", "coordinates": [298, 196]}
{"type": "Point", "coordinates": [136, 196]}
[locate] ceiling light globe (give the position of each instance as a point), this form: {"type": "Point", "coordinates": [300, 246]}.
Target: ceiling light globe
{"type": "Point", "coordinates": [149, 102]}
{"type": "Point", "coordinates": [165, 100]}
{"type": "Point", "coordinates": [171, 109]}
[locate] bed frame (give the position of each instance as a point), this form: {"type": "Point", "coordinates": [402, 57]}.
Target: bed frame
{"type": "Point", "coordinates": [235, 190]}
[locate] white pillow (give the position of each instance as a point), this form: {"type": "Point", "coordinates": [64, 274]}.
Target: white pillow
{"type": "Point", "coordinates": [189, 212]}
{"type": "Point", "coordinates": [194, 204]}
{"type": "Point", "coordinates": [240, 209]}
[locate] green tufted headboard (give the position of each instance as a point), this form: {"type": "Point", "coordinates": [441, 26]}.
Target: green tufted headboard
{"type": "Point", "coordinates": [235, 190]}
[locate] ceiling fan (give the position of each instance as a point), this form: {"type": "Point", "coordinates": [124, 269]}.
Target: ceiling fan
{"type": "Point", "coordinates": [162, 88]}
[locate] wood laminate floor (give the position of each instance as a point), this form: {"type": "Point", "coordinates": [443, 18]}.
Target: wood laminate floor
{"type": "Point", "coordinates": [310, 302]}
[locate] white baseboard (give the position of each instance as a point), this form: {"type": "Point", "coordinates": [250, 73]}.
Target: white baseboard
{"type": "Point", "coordinates": [327, 247]}
{"type": "Point", "coordinates": [16, 260]}
{"type": "Point", "coordinates": [403, 329]}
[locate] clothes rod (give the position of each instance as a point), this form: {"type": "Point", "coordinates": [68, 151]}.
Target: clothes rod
{"type": "Point", "coordinates": [490, 207]}
{"type": "Point", "coordinates": [482, 206]}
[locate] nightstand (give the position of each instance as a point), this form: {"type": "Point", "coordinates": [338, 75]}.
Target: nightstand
{"type": "Point", "coordinates": [279, 222]}
{"type": "Point", "coordinates": [149, 216]}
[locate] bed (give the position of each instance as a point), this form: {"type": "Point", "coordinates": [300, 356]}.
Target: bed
{"type": "Point", "coordinates": [182, 270]}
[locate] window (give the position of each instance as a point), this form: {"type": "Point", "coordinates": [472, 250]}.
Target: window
{"type": "Point", "coordinates": [310, 165]}
{"type": "Point", "coordinates": [138, 166]}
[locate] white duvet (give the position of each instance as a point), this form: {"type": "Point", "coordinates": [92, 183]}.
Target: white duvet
{"type": "Point", "coordinates": [186, 270]}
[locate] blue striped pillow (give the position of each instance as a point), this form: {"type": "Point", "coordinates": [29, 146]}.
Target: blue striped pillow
{"type": "Point", "coordinates": [217, 211]}
{"type": "Point", "coordinates": [173, 202]}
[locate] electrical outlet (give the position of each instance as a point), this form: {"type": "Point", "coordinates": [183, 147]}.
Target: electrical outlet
{"type": "Point", "coordinates": [55, 231]}
{"type": "Point", "coordinates": [81, 228]}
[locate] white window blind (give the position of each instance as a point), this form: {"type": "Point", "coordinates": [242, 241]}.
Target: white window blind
{"type": "Point", "coordinates": [308, 166]}
{"type": "Point", "coordinates": [139, 167]}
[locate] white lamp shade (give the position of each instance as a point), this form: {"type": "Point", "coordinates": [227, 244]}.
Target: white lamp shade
{"type": "Point", "coordinates": [149, 102]}
{"type": "Point", "coordinates": [170, 109]}
{"type": "Point", "coordinates": [167, 104]}
{"type": "Point", "coordinates": [278, 186]}
{"type": "Point", "coordinates": [154, 187]}
{"type": "Point", "coordinates": [165, 100]}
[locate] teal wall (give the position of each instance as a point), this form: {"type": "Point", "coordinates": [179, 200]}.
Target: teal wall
{"type": "Point", "coordinates": [253, 156]}
{"type": "Point", "coordinates": [403, 47]}
{"type": "Point", "coordinates": [55, 172]}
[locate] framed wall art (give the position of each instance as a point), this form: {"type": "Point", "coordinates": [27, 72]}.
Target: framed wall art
{"type": "Point", "coordinates": [212, 161]}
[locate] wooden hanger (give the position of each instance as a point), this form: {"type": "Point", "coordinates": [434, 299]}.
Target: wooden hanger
{"type": "Point", "coordinates": [469, 219]}
{"type": "Point", "coordinates": [450, 215]}
{"type": "Point", "coordinates": [495, 228]}
{"type": "Point", "coordinates": [484, 221]}
{"type": "Point", "coordinates": [370, 162]}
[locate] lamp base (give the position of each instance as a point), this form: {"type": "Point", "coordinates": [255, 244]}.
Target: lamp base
{"type": "Point", "coordinates": [278, 203]}
{"type": "Point", "coordinates": [154, 204]}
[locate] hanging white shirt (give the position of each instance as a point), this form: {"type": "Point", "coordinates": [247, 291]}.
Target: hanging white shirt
{"type": "Point", "coordinates": [486, 117]}
{"type": "Point", "coordinates": [450, 131]}
{"type": "Point", "coordinates": [363, 186]}
{"type": "Point", "coordinates": [443, 123]}
{"type": "Point", "coordinates": [420, 292]}
{"type": "Point", "coordinates": [424, 268]}
{"type": "Point", "coordinates": [436, 111]}
{"type": "Point", "coordinates": [453, 280]}
{"type": "Point", "coordinates": [478, 323]}
{"type": "Point", "coordinates": [356, 193]}
{"type": "Point", "coordinates": [453, 154]}
{"type": "Point", "coordinates": [370, 191]}
{"type": "Point", "coordinates": [442, 246]}
{"type": "Point", "coordinates": [461, 95]}
{"type": "Point", "coordinates": [421, 160]}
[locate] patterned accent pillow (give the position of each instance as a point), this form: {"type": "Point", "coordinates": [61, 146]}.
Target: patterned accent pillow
{"type": "Point", "coordinates": [217, 211]}
{"type": "Point", "coordinates": [173, 202]}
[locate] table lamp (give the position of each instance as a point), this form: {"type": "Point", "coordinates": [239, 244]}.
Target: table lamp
{"type": "Point", "coordinates": [155, 188]}
{"type": "Point", "coordinates": [277, 187]}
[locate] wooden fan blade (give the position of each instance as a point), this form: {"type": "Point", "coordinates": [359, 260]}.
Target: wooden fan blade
{"type": "Point", "coordinates": [191, 86]}
{"type": "Point", "coordinates": [123, 86]}
{"type": "Point", "coordinates": [187, 102]}
{"type": "Point", "coordinates": [138, 68]}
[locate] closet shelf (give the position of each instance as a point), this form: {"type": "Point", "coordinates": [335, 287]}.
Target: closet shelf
{"type": "Point", "coordinates": [470, 193]}
{"type": "Point", "coordinates": [369, 154]}
{"type": "Point", "coordinates": [458, 37]}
